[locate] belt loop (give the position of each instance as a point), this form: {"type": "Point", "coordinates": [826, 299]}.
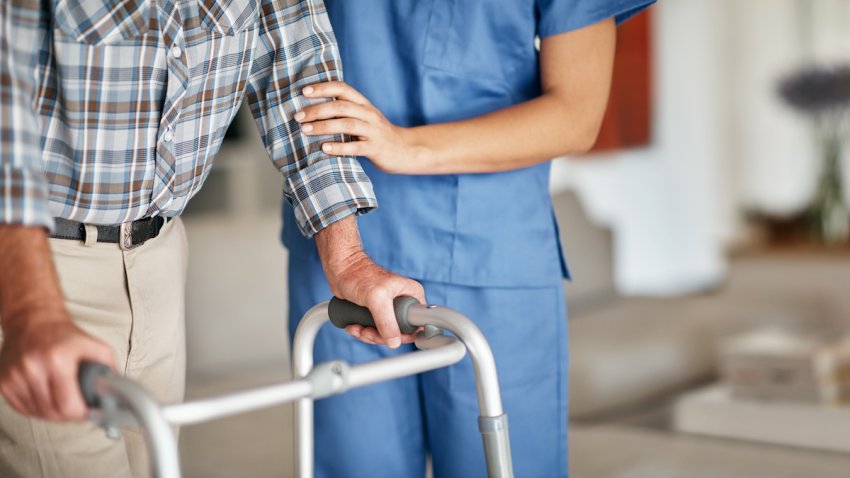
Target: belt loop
{"type": "Point", "coordinates": [91, 234]}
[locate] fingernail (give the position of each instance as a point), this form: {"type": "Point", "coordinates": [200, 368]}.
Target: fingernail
{"type": "Point", "coordinates": [394, 342]}
{"type": "Point", "coordinates": [299, 116]}
{"type": "Point", "coordinates": [308, 90]}
{"type": "Point", "coordinates": [327, 148]}
{"type": "Point", "coordinates": [307, 127]}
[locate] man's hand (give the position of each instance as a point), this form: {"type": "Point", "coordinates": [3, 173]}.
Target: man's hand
{"type": "Point", "coordinates": [39, 365]}
{"type": "Point", "coordinates": [42, 348]}
{"type": "Point", "coordinates": [354, 277]}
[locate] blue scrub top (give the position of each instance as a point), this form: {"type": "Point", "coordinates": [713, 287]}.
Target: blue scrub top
{"type": "Point", "coordinates": [432, 61]}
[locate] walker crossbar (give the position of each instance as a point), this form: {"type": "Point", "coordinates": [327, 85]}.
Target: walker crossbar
{"type": "Point", "coordinates": [118, 402]}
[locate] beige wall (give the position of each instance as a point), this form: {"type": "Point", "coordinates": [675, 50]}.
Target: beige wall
{"type": "Point", "coordinates": [236, 290]}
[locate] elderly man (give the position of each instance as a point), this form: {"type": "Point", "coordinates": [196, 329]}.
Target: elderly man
{"type": "Point", "coordinates": [112, 113]}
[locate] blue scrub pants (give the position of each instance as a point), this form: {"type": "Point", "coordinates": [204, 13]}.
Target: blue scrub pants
{"type": "Point", "coordinates": [385, 430]}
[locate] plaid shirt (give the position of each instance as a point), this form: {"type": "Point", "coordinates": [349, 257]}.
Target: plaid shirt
{"type": "Point", "coordinates": [113, 110]}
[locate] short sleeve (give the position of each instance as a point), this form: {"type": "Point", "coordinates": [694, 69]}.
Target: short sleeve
{"type": "Point", "coordinates": [561, 16]}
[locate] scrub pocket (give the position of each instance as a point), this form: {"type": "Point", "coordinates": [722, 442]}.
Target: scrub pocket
{"type": "Point", "coordinates": [476, 37]}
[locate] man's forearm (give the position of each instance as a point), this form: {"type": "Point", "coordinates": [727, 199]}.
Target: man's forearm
{"type": "Point", "coordinates": [29, 287]}
{"type": "Point", "coordinates": [42, 347]}
{"type": "Point", "coordinates": [339, 245]}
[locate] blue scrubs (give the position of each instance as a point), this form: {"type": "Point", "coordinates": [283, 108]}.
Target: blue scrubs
{"type": "Point", "coordinates": [484, 244]}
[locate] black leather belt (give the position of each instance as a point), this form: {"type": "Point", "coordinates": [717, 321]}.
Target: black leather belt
{"type": "Point", "coordinates": [127, 235]}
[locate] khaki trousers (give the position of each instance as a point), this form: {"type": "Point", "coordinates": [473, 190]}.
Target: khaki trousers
{"type": "Point", "coordinates": [134, 301]}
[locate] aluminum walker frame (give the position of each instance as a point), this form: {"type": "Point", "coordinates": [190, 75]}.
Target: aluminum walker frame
{"type": "Point", "coordinates": [117, 402]}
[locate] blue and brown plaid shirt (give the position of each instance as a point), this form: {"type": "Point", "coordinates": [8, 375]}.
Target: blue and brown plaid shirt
{"type": "Point", "coordinates": [113, 110]}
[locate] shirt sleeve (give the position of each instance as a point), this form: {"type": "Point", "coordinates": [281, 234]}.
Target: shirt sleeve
{"type": "Point", "coordinates": [561, 16]}
{"type": "Point", "coordinates": [23, 187]}
{"type": "Point", "coordinates": [297, 48]}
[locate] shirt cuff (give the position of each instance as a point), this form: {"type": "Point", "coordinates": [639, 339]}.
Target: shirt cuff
{"type": "Point", "coordinates": [24, 198]}
{"type": "Point", "coordinates": [328, 191]}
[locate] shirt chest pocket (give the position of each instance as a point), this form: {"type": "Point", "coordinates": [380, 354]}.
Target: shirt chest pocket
{"type": "Point", "coordinates": [482, 38]}
{"type": "Point", "coordinates": [97, 22]}
{"type": "Point", "coordinates": [228, 17]}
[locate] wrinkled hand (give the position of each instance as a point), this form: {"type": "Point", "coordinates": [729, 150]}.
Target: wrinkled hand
{"type": "Point", "coordinates": [365, 283]}
{"type": "Point", "coordinates": [39, 362]}
{"type": "Point", "coordinates": [388, 146]}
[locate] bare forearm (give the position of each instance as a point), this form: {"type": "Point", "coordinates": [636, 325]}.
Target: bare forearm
{"type": "Point", "coordinates": [575, 73]}
{"type": "Point", "coordinates": [338, 245]}
{"type": "Point", "coordinates": [28, 284]}
{"type": "Point", "coordinates": [515, 137]}
{"type": "Point", "coordinates": [42, 347]}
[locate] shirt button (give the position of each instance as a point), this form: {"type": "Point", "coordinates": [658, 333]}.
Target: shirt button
{"type": "Point", "coordinates": [168, 135]}
{"type": "Point", "coordinates": [176, 51]}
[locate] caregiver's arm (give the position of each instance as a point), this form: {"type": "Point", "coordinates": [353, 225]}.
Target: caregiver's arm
{"type": "Point", "coordinates": [576, 69]}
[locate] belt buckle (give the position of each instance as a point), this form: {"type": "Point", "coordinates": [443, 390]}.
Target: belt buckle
{"type": "Point", "coordinates": [125, 241]}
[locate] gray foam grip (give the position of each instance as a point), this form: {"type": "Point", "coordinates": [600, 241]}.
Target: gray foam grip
{"type": "Point", "coordinates": [344, 313]}
{"type": "Point", "coordinates": [87, 374]}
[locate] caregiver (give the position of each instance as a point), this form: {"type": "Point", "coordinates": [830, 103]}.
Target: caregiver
{"type": "Point", "coordinates": [459, 114]}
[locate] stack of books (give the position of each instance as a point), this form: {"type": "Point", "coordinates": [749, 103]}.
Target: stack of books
{"type": "Point", "coordinates": [777, 386]}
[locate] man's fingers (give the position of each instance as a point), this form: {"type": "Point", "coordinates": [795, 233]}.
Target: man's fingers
{"type": "Point", "coordinates": [384, 314]}
{"type": "Point", "coordinates": [354, 330]}
{"type": "Point", "coordinates": [67, 397]}
{"type": "Point", "coordinates": [371, 336]}
{"type": "Point", "coordinates": [357, 331]}
{"type": "Point", "coordinates": [335, 89]}
{"type": "Point", "coordinates": [24, 393]}
{"type": "Point", "coordinates": [98, 352]}
{"type": "Point", "coordinates": [16, 392]}
{"type": "Point", "coordinates": [37, 379]}
{"type": "Point", "coordinates": [367, 335]}
{"type": "Point", "coordinates": [411, 288]}
{"type": "Point", "coordinates": [408, 338]}
{"type": "Point", "coordinates": [12, 399]}
{"type": "Point", "coordinates": [381, 306]}
{"type": "Point", "coordinates": [417, 292]}
{"type": "Point", "coordinates": [39, 367]}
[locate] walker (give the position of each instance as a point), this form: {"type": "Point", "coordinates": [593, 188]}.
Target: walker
{"type": "Point", "coordinates": [116, 401]}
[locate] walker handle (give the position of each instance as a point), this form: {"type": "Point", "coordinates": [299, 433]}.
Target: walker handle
{"type": "Point", "coordinates": [89, 372]}
{"type": "Point", "coordinates": [344, 313]}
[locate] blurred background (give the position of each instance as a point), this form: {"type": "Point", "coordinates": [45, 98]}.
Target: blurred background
{"type": "Point", "coordinates": [707, 234]}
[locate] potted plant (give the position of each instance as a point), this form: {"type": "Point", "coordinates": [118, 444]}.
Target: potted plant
{"type": "Point", "coordinates": [823, 94]}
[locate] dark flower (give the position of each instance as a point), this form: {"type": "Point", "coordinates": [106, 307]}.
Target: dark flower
{"type": "Point", "coordinates": [817, 90]}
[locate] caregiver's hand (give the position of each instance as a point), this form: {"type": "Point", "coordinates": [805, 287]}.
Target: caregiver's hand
{"type": "Point", "coordinates": [385, 144]}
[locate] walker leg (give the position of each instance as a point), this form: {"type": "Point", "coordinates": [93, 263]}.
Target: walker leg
{"type": "Point", "coordinates": [497, 446]}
